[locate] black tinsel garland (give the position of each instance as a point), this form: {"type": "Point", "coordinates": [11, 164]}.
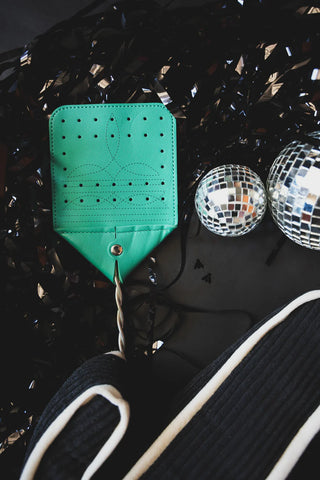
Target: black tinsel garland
{"type": "Point", "coordinates": [242, 79]}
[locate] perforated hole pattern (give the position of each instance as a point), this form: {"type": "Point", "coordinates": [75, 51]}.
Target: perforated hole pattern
{"type": "Point", "coordinates": [137, 151]}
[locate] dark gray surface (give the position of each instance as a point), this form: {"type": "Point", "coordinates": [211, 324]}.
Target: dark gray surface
{"type": "Point", "coordinates": [22, 20]}
{"type": "Point", "coordinates": [240, 276]}
{"type": "Point", "coordinates": [241, 280]}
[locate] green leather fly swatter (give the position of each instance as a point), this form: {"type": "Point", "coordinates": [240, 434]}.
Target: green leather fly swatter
{"type": "Point", "coordinates": [114, 181]}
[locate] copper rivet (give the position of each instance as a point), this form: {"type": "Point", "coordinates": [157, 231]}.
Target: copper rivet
{"type": "Point", "coordinates": [116, 250]}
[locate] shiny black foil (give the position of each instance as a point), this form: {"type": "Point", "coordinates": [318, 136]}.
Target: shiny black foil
{"type": "Point", "coordinates": [242, 79]}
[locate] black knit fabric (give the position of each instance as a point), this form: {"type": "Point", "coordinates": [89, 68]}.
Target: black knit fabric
{"type": "Point", "coordinates": [90, 427]}
{"type": "Point", "coordinates": [78, 444]}
{"type": "Point", "coordinates": [201, 378]}
{"type": "Point", "coordinates": [246, 425]}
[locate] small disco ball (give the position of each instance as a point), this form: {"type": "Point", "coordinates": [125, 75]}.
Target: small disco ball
{"type": "Point", "coordinates": [230, 200]}
{"type": "Point", "coordinates": [294, 191]}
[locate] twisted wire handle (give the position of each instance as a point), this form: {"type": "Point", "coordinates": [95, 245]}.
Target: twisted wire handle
{"type": "Point", "coordinates": [120, 316]}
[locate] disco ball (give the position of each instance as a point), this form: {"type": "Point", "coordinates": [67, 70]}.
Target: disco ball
{"type": "Point", "coordinates": [294, 191]}
{"type": "Point", "coordinates": [230, 200]}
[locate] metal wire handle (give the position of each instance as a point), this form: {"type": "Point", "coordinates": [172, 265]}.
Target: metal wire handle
{"type": "Point", "coordinates": [120, 316]}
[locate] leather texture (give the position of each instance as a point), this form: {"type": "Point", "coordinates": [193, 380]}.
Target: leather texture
{"type": "Point", "coordinates": [114, 180]}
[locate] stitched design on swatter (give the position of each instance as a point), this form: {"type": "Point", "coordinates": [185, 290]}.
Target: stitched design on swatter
{"type": "Point", "coordinates": [113, 174]}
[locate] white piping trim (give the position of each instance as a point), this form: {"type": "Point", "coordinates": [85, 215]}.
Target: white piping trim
{"type": "Point", "coordinates": [296, 447]}
{"type": "Point", "coordinates": [116, 353]}
{"type": "Point", "coordinates": [55, 428]}
{"type": "Point", "coordinates": [191, 409]}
